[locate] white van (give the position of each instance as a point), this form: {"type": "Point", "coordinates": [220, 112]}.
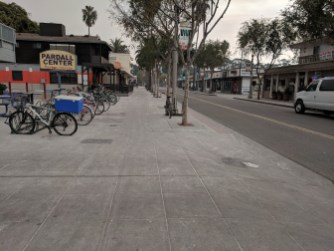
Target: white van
{"type": "Point", "coordinates": [319, 95]}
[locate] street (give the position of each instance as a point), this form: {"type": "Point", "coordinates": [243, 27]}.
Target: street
{"type": "Point", "coordinates": [305, 139]}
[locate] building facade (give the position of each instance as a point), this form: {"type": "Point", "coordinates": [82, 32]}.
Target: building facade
{"type": "Point", "coordinates": [7, 44]}
{"type": "Point", "coordinates": [90, 52]}
{"type": "Point", "coordinates": [316, 60]}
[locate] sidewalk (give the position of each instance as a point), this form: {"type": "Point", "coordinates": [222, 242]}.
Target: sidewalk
{"type": "Point", "coordinates": [136, 180]}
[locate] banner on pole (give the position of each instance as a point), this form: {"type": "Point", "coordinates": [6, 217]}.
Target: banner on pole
{"type": "Point", "coordinates": [184, 36]}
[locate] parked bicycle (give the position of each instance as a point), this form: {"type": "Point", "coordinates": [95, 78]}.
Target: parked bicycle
{"type": "Point", "coordinates": [168, 107]}
{"type": "Point", "coordinates": [36, 118]}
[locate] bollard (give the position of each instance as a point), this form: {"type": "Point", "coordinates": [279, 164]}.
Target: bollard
{"type": "Point", "coordinates": [44, 87]}
{"type": "Point", "coordinates": [27, 87]}
{"type": "Point", "coordinates": [10, 88]}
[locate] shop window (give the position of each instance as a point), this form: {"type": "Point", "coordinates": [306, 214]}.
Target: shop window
{"type": "Point", "coordinates": [66, 78]}
{"type": "Point", "coordinates": [17, 75]}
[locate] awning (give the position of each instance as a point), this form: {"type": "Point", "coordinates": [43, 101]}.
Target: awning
{"type": "Point", "coordinates": [127, 73]}
{"type": "Point", "coordinates": [106, 67]}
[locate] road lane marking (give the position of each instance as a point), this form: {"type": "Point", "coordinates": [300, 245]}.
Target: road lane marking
{"type": "Point", "coordinates": [324, 135]}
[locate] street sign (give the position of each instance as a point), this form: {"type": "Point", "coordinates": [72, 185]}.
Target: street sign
{"type": "Point", "coordinates": [57, 60]}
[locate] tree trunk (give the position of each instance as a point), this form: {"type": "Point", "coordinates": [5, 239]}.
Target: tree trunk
{"type": "Point", "coordinates": [211, 80]}
{"type": "Point", "coordinates": [194, 79]}
{"type": "Point", "coordinates": [250, 95]}
{"type": "Point", "coordinates": [186, 97]}
{"type": "Point", "coordinates": [157, 74]}
{"type": "Point", "coordinates": [152, 82]}
{"type": "Point", "coordinates": [169, 62]}
{"type": "Point", "coordinates": [204, 82]}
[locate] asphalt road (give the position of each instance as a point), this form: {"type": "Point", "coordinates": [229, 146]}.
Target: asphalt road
{"type": "Point", "coordinates": [306, 139]}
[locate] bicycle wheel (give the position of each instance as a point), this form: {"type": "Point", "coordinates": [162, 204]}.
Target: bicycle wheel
{"type": "Point", "coordinates": [113, 98]}
{"type": "Point", "coordinates": [106, 104]}
{"type": "Point", "coordinates": [170, 112]}
{"type": "Point", "coordinates": [99, 108]}
{"type": "Point", "coordinates": [85, 116]}
{"type": "Point", "coordinates": [21, 123]}
{"type": "Point", "coordinates": [64, 124]}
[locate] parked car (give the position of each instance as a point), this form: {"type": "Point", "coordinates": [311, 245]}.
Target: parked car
{"type": "Point", "coordinates": [319, 95]}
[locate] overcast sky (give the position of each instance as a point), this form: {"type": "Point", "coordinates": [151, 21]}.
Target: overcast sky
{"type": "Point", "coordinates": [68, 12]}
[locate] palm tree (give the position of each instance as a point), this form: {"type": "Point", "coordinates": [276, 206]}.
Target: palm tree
{"type": "Point", "coordinates": [89, 16]}
{"type": "Point", "coordinates": [118, 46]}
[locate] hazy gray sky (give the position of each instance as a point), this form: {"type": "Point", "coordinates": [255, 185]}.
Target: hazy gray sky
{"type": "Point", "coordinates": [68, 12]}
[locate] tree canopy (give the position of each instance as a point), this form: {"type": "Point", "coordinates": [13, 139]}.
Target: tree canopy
{"type": "Point", "coordinates": [213, 54]}
{"type": "Point", "coordinates": [117, 45]}
{"type": "Point", "coordinates": [264, 38]}
{"type": "Point", "coordinates": [310, 19]}
{"type": "Point", "coordinates": [141, 18]}
{"type": "Point", "coordinates": [16, 17]}
{"type": "Point", "coordinates": [89, 16]}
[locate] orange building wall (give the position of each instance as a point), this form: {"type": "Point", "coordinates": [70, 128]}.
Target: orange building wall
{"type": "Point", "coordinates": [34, 77]}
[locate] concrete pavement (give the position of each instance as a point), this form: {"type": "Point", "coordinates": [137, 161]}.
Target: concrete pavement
{"type": "Point", "coordinates": [136, 180]}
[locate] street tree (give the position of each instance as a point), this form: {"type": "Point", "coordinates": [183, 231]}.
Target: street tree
{"type": "Point", "coordinates": [117, 45]}
{"type": "Point", "coordinates": [141, 19]}
{"type": "Point", "coordinates": [310, 19]}
{"type": "Point", "coordinates": [263, 38]}
{"type": "Point", "coordinates": [16, 17]}
{"type": "Point", "coordinates": [89, 16]}
{"type": "Point", "coordinates": [147, 58]}
{"type": "Point", "coordinates": [200, 17]}
{"type": "Point", "coordinates": [214, 54]}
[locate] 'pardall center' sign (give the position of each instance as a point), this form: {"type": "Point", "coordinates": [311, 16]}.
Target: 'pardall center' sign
{"type": "Point", "coordinates": [57, 60]}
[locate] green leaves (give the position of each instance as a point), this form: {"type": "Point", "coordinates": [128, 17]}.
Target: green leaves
{"type": "Point", "coordinates": [16, 17]}
{"type": "Point", "coordinates": [310, 19]}
{"type": "Point", "coordinates": [118, 46]}
{"type": "Point", "coordinates": [89, 16]}
{"type": "Point", "coordinates": [213, 54]}
{"type": "Point", "coordinates": [265, 37]}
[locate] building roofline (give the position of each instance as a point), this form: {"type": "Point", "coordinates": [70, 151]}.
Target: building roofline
{"type": "Point", "coordinates": [8, 27]}
{"type": "Point", "coordinates": [311, 42]}
{"type": "Point", "coordinates": [290, 69]}
{"type": "Point", "coordinates": [64, 39]}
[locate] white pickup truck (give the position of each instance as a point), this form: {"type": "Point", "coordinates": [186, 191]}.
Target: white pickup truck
{"type": "Point", "coordinates": [319, 95]}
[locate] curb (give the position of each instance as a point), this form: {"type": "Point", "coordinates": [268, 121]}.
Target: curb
{"type": "Point", "coordinates": [264, 102]}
